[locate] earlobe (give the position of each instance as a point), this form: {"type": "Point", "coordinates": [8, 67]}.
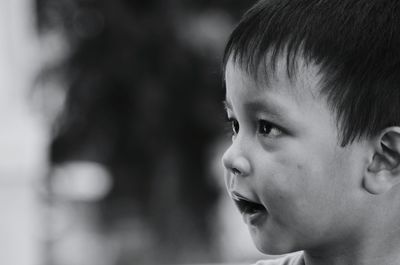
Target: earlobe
{"type": "Point", "coordinates": [377, 182]}
{"type": "Point", "coordinates": [384, 168]}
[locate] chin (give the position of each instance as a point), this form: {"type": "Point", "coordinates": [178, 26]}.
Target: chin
{"type": "Point", "coordinates": [274, 246]}
{"type": "Point", "coordinates": [272, 250]}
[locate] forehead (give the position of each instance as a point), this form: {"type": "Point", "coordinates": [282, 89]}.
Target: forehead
{"type": "Point", "coordinates": [304, 81]}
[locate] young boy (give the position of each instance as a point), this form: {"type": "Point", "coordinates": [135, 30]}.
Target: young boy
{"type": "Point", "coordinates": [313, 97]}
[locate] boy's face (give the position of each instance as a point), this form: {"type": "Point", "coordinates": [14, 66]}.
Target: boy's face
{"type": "Point", "coordinates": [285, 158]}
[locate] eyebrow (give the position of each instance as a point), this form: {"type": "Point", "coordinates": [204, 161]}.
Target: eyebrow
{"type": "Point", "coordinates": [260, 106]}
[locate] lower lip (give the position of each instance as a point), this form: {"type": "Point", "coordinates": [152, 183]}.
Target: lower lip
{"type": "Point", "coordinates": [254, 218]}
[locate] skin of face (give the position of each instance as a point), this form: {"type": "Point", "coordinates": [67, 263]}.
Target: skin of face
{"type": "Point", "coordinates": [286, 155]}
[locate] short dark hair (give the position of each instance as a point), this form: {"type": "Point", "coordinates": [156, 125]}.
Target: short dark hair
{"type": "Point", "coordinates": [355, 43]}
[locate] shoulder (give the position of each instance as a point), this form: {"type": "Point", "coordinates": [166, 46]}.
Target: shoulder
{"type": "Point", "coordinates": [290, 259]}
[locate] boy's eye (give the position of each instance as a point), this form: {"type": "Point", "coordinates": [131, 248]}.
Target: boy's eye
{"type": "Point", "coordinates": [266, 128]}
{"type": "Point", "coordinates": [234, 125]}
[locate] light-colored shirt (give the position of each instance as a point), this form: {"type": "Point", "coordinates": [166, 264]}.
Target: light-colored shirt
{"type": "Point", "coordinates": [290, 259]}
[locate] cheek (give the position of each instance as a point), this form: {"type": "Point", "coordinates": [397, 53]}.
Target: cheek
{"type": "Point", "coordinates": [305, 197]}
{"type": "Point", "coordinates": [285, 185]}
{"type": "Point", "coordinates": [303, 186]}
{"type": "Point", "coordinates": [289, 176]}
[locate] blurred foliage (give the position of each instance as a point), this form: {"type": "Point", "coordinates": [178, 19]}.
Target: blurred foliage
{"type": "Point", "coordinates": [143, 89]}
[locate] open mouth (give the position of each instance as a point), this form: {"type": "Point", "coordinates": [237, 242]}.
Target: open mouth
{"type": "Point", "coordinates": [247, 206]}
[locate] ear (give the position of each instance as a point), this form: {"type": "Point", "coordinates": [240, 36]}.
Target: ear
{"type": "Point", "coordinates": [384, 169]}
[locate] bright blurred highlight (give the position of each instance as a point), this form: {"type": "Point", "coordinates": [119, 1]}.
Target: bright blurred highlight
{"type": "Point", "coordinates": [81, 181]}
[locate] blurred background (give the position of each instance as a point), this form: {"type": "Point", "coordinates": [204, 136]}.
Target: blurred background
{"type": "Point", "coordinates": [112, 133]}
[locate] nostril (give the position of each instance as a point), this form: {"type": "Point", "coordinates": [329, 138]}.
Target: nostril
{"type": "Point", "coordinates": [235, 171]}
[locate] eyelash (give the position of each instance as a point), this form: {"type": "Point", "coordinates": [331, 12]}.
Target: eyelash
{"type": "Point", "coordinates": [264, 128]}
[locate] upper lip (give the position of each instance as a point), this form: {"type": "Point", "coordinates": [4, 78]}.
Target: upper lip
{"type": "Point", "coordinates": [237, 196]}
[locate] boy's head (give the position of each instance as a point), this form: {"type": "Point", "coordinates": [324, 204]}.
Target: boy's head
{"type": "Point", "coordinates": [313, 96]}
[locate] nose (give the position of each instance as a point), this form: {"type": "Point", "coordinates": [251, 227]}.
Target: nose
{"type": "Point", "coordinates": [235, 160]}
